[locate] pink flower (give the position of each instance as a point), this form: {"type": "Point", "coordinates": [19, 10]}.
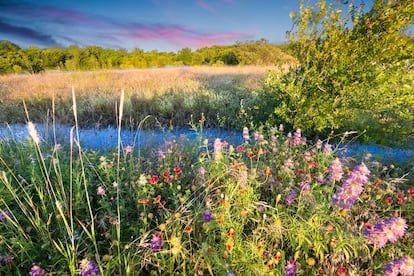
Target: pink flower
{"type": "Point", "coordinates": [100, 191]}
{"type": "Point", "coordinates": [129, 150]}
{"type": "Point", "coordinates": [335, 170]}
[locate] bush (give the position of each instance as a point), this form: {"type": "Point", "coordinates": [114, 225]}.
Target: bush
{"type": "Point", "coordinates": [355, 71]}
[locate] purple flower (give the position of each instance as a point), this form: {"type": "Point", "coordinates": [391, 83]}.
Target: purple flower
{"type": "Point", "coordinates": [207, 215]}
{"type": "Point", "coordinates": [156, 241]}
{"type": "Point", "coordinates": [88, 268]}
{"type": "Point", "coordinates": [404, 266]}
{"type": "Point", "coordinates": [37, 271]}
{"type": "Point", "coordinates": [290, 200]}
{"type": "Point", "coordinates": [297, 138]}
{"type": "Point", "coordinates": [260, 208]}
{"type": "Point", "coordinates": [201, 171]}
{"type": "Point", "coordinates": [335, 170]}
{"type": "Point", "coordinates": [351, 188]}
{"type": "Point", "coordinates": [290, 269]}
{"type": "Point", "coordinates": [327, 149]}
{"type": "Point", "coordinates": [320, 179]}
{"type": "Point", "coordinates": [389, 231]}
{"type": "Point", "coordinates": [4, 215]}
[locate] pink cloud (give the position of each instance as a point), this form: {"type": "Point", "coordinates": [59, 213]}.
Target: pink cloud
{"type": "Point", "coordinates": [205, 6]}
{"type": "Point", "coordinates": [181, 36]}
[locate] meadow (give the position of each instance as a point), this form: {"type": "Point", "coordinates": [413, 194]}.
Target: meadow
{"type": "Point", "coordinates": [274, 204]}
{"type": "Point", "coordinates": [169, 95]}
{"type": "Point", "coordinates": [282, 201]}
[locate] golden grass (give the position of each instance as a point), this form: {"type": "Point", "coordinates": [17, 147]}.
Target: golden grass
{"type": "Point", "coordinates": [145, 83]}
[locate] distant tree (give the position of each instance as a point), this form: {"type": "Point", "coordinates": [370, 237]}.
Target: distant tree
{"type": "Point", "coordinates": [186, 56]}
{"type": "Point", "coordinates": [72, 59]}
{"type": "Point", "coordinates": [230, 58]}
{"type": "Point", "coordinates": [32, 60]}
{"type": "Point", "coordinates": [53, 58]}
{"type": "Point", "coordinates": [10, 58]}
{"type": "Point", "coordinates": [91, 58]}
{"type": "Point", "coordinates": [7, 46]}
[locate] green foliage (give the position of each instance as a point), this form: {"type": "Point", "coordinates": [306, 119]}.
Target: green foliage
{"type": "Point", "coordinates": [35, 60]}
{"type": "Point", "coordinates": [355, 71]}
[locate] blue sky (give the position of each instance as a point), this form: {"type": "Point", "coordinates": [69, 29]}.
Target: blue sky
{"type": "Point", "coordinates": [164, 25]}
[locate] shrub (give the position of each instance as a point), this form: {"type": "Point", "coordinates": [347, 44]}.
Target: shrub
{"type": "Point", "coordinates": [354, 71]}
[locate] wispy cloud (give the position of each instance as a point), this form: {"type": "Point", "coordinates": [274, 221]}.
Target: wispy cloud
{"type": "Point", "coordinates": [67, 26]}
{"type": "Point", "coordinates": [28, 34]}
{"type": "Point", "coordinates": [202, 4]}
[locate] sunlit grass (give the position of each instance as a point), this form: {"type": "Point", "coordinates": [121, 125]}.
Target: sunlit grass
{"type": "Point", "coordinates": [170, 94]}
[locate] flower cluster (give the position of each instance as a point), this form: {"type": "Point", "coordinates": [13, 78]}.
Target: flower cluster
{"type": "Point", "coordinates": [290, 269]}
{"type": "Point", "coordinates": [88, 268]}
{"type": "Point", "coordinates": [156, 241]}
{"type": "Point", "coordinates": [335, 170]}
{"type": "Point", "coordinates": [297, 138]}
{"type": "Point", "coordinates": [389, 231]}
{"type": "Point", "coordinates": [291, 198]}
{"type": "Point", "coordinates": [37, 271]}
{"type": "Point", "coordinates": [404, 266]}
{"type": "Point", "coordinates": [207, 215]}
{"type": "Point", "coordinates": [352, 187]}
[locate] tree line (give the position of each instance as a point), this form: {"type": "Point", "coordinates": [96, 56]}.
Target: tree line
{"type": "Point", "coordinates": [14, 59]}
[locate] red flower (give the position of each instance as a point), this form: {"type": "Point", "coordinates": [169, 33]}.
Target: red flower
{"type": "Point", "coordinates": [165, 174]}
{"type": "Point", "coordinates": [177, 170]}
{"type": "Point", "coordinates": [411, 191]}
{"type": "Point", "coordinates": [389, 201]}
{"type": "Point", "coordinates": [399, 195]}
{"type": "Point", "coordinates": [239, 148]}
{"type": "Point", "coordinates": [341, 271]}
{"type": "Point", "coordinates": [154, 179]}
{"type": "Point", "coordinates": [157, 199]}
{"type": "Point", "coordinates": [143, 200]}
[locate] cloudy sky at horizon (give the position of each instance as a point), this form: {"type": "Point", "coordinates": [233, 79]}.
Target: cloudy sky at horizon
{"type": "Point", "coordinates": [164, 25]}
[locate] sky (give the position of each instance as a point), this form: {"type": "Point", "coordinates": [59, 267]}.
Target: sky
{"type": "Point", "coordinates": [163, 25]}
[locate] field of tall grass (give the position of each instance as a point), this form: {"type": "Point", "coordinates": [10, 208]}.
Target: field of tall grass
{"type": "Point", "coordinates": [170, 95]}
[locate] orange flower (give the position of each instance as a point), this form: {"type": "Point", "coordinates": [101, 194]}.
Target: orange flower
{"type": "Point", "coordinates": [143, 200]}
{"type": "Point", "coordinates": [269, 263]}
{"type": "Point", "coordinates": [188, 230]}
{"type": "Point", "coordinates": [268, 172]}
{"type": "Point", "coordinates": [220, 220]}
{"type": "Point", "coordinates": [277, 256]}
{"type": "Point", "coordinates": [231, 232]}
{"type": "Point", "coordinates": [229, 244]}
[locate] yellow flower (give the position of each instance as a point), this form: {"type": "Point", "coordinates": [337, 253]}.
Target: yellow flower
{"type": "Point", "coordinates": [311, 261]}
{"type": "Point", "coordinates": [162, 226]}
